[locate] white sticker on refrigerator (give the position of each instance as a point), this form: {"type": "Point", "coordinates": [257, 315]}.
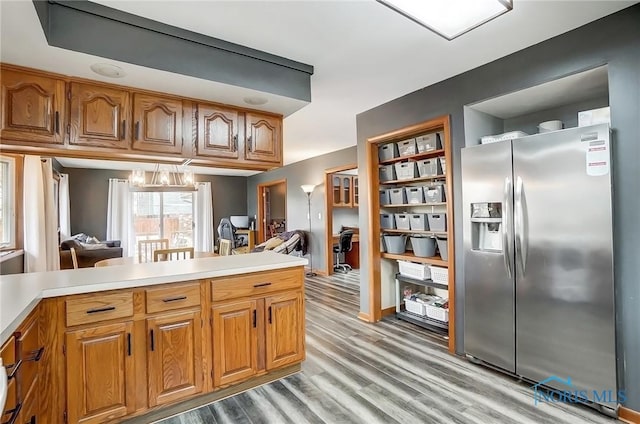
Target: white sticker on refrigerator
{"type": "Point", "coordinates": [597, 158]}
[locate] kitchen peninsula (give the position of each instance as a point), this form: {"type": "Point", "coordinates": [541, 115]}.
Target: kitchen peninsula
{"type": "Point", "coordinates": [139, 342]}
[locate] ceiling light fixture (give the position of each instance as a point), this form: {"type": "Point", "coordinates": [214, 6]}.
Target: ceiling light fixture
{"type": "Point", "coordinates": [255, 100]}
{"type": "Point", "coordinates": [108, 70]}
{"type": "Point", "coordinates": [163, 180]}
{"type": "Point", "coordinates": [450, 18]}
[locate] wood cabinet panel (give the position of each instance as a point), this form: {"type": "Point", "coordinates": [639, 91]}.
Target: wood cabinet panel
{"type": "Point", "coordinates": [100, 373]}
{"type": "Point", "coordinates": [284, 330]}
{"type": "Point", "coordinates": [30, 411]}
{"type": "Point", "coordinates": [86, 310]}
{"type": "Point", "coordinates": [263, 138]}
{"type": "Point", "coordinates": [256, 284]}
{"type": "Point", "coordinates": [8, 355]}
{"type": "Point", "coordinates": [173, 297]}
{"type": "Point", "coordinates": [234, 342]}
{"type": "Point", "coordinates": [32, 108]}
{"type": "Point", "coordinates": [29, 352]}
{"type": "Point", "coordinates": [217, 132]}
{"type": "Point", "coordinates": [175, 357]}
{"type": "Point", "coordinates": [157, 124]}
{"type": "Point", "coordinates": [100, 116]}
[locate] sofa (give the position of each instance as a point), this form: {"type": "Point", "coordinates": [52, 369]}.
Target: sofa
{"type": "Point", "coordinates": [289, 243]}
{"type": "Point", "coordinates": [88, 253]}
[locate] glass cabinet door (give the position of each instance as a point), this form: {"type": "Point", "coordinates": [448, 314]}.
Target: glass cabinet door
{"type": "Point", "coordinates": [346, 189]}
{"type": "Point", "coordinates": [336, 190]}
{"type": "Point", "coordinates": [355, 191]}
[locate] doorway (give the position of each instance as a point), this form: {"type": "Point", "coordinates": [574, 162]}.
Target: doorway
{"type": "Point", "coordinates": [341, 204]}
{"type": "Point", "coordinates": [272, 209]}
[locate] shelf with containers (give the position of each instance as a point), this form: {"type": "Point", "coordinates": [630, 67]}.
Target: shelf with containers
{"type": "Point", "coordinates": [411, 206]}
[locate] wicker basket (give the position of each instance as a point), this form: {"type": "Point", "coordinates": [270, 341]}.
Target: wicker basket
{"type": "Point", "coordinates": [413, 270]}
{"type": "Point", "coordinates": [439, 275]}
{"type": "Point", "coordinates": [414, 307]}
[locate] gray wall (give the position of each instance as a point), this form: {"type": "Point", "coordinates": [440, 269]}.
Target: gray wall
{"type": "Point", "coordinates": [89, 189]}
{"type": "Point", "coordinates": [347, 217]}
{"type": "Point", "coordinates": [613, 40]}
{"type": "Point", "coordinates": [14, 265]}
{"type": "Point", "coordinates": [278, 201]}
{"type": "Point", "coordinates": [310, 171]}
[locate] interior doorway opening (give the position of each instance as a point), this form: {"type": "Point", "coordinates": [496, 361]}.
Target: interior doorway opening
{"type": "Point", "coordinates": [272, 209]}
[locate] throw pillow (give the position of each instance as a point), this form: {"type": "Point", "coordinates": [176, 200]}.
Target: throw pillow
{"type": "Point", "coordinates": [273, 243]}
{"type": "Point", "coordinates": [92, 240]}
{"type": "Point", "coordinates": [94, 246]}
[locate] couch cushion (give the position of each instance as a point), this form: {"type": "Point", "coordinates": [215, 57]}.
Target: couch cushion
{"type": "Point", "coordinates": [68, 244]}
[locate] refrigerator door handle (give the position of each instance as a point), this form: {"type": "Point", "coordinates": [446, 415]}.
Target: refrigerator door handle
{"type": "Point", "coordinates": [506, 249]}
{"type": "Point", "coordinates": [519, 225]}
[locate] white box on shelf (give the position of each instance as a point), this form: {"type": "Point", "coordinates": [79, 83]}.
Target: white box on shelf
{"type": "Point", "coordinates": [439, 275]}
{"type": "Point", "coordinates": [594, 116]}
{"type": "Point", "coordinates": [502, 137]}
{"type": "Point", "coordinates": [414, 270]}
{"type": "Point", "coordinates": [434, 312]}
{"type": "Point", "coordinates": [414, 307]}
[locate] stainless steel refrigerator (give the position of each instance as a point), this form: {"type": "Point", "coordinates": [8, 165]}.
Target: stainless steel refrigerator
{"type": "Point", "coordinates": [538, 257]}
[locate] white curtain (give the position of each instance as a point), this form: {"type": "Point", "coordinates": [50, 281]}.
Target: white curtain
{"type": "Point", "coordinates": [203, 218]}
{"type": "Point", "coordinates": [120, 215]}
{"type": "Point", "coordinates": [40, 224]}
{"type": "Point", "coordinates": [65, 207]}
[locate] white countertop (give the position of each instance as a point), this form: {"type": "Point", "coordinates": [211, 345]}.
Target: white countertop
{"type": "Point", "coordinates": [20, 293]}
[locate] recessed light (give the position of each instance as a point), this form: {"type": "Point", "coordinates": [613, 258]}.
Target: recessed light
{"type": "Point", "coordinates": [108, 70]}
{"type": "Point", "coordinates": [255, 100]}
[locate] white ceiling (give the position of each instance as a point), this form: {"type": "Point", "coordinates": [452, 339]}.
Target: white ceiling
{"type": "Point", "coordinates": [364, 54]}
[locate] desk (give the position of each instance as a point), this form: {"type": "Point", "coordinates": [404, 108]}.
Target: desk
{"type": "Point", "coordinates": [353, 256]}
{"type": "Point", "coordinates": [130, 260]}
{"type": "Point", "coordinates": [251, 238]}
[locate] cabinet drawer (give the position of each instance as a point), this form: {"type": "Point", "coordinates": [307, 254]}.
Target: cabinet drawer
{"type": "Point", "coordinates": [255, 284]}
{"type": "Point", "coordinates": [99, 307]}
{"type": "Point", "coordinates": [8, 355]}
{"type": "Point", "coordinates": [30, 352]}
{"type": "Point", "coordinates": [174, 297]}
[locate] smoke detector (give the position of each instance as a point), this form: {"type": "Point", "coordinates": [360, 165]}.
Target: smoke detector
{"type": "Point", "coordinates": [108, 70]}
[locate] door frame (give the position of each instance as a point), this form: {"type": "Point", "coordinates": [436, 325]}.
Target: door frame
{"type": "Point", "coordinates": [328, 212]}
{"type": "Point", "coordinates": [260, 194]}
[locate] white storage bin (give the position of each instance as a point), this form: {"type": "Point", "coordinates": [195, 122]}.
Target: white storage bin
{"type": "Point", "coordinates": [402, 221]}
{"type": "Point", "coordinates": [429, 167]}
{"type": "Point", "coordinates": [437, 222]}
{"type": "Point", "coordinates": [387, 173]}
{"type": "Point", "coordinates": [434, 193]}
{"type": "Point", "coordinates": [414, 307]}
{"type": "Point", "coordinates": [415, 195]}
{"type": "Point", "coordinates": [387, 221]}
{"type": "Point", "coordinates": [406, 170]}
{"type": "Point", "coordinates": [433, 312]}
{"type": "Point", "coordinates": [413, 270]}
{"type": "Point", "coordinates": [429, 142]}
{"type": "Point", "coordinates": [387, 152]}
{"type": "Point", "coordinates": [384, 197]}
{"type": "Point", "coordinates": [439, 275]}
{"type": "Point", "coordinates": [418, 222]}
{"type": "Point", "coordinates": [397, 196]}
{"type": "Point", "coordinates": [407, 147]}
{"type": "Point", "coordinates": [443, 165]}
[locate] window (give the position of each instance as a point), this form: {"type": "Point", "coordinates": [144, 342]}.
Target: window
{"type": "Point", "coordinates": [7, 203]}
{"type": "Point", "coordinates": [167, 215]}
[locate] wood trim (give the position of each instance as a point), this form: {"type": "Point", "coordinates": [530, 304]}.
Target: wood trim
{"type": "Point", "coordinates": [364, 316]}
{"type": "Point", "coordinates": [432, 124]}
{"type": "Point", "coordinates": [388, 311]}
{"type": "Point", "coordinates": [629, 415]}
{"type": "Point", "coordinates": [328, 212]}
{"type": "Point", "coordinates": [18, 177]}
{"type": "Point", "coordinates": [260, 189]}
{"type": "Point", "coordinates": [451, 234]}
{"type": "Point", "coordinates": [372, 179]}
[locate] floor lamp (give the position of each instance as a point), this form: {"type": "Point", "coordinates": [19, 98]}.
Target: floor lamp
{"type": "Point", "coordinates": [308, 188]}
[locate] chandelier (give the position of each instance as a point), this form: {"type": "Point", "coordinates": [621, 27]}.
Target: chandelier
{"type": "Point", "coordinates": [167, 178]}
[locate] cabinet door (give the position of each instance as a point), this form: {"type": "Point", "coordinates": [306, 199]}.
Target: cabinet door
{"type": "Point", "coordinates": [264, 139]}
{"type": "Point", "coordinates": [8, 355]}
{"type": "Point", "coordinates": [32, 108]}
{"type": "Point", "coordinates": [346, 191]}
{"type": "Point", "coordinates": [285, 329]}
{"type": "Point", "coordinates": [356, 195]}
{"type": "Point", "coordinates": [30, 411]}
{"type": "Point", "coordinates": [217, 132]}
{"type": "Point", "coordinates": [175, 357]}
{"type": "Point", "coordinates": [100, 373]}
{"type": "Point", "coordinates": [99, 116]}
{"type": "Point", "coordinates": [157, 124]}
{"type": "Point", "coordinates": [234, 342]}
{"type": "Point", "coordinates": [30, 353]}
{"type": "Point", "coordinates": [336, 188]}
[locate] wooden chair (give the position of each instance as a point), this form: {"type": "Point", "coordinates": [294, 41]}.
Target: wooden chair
{"type": "Point", "coordinates": [147, 247]}
{"type": "Point", "coordinates": [172, 254]}
{"type": "Point", "coordinates": [225, 247]}
{"type": "Point", "coordinates": [74, 258]}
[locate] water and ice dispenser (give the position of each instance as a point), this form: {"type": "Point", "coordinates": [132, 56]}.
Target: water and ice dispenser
{"type": "Point", "coordinates": [486, 227]}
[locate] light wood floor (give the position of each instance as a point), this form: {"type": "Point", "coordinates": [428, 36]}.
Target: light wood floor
{"type": "Point", "coordinates": [390, 372]}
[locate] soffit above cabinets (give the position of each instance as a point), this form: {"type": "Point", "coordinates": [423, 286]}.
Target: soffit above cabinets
{"type": "Point", "coordinates": [94, 29]}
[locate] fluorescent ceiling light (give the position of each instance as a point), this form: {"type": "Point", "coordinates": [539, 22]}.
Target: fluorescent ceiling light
{"type": "Point", "coordinates": [450, 18]}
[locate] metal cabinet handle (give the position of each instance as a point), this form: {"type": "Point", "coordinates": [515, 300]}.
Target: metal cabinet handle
{"type": "Point", "coordinates": [98, 310]}
{"type": "Point", "coordinates": [128, 344]}
{"type": "Point", "coordinates": [174, 299]}
{"type": "Point", "coordinates": [14, 369]}
{"type": "Point", "coordinates": [249, 142]}
{"type": "Point", "coordinates": [235, 143]}
{"type": "Point", "coordinates": [255, 318]}
{"type": "Point", "coordinates": [521, 252]}
{"type": "Point", "coordinates": [506, 249]}
{"type": "Point", "coordinates": [269, 314]}
{"type": "Point", "coordinates": [137, 130]}
{"type": "Point", "coordinates": [261, 285]}
{"type": "Point", "coordinates": [57, 123]}
{"type": "Point", "coordinates": [124, 129]}
{"type": "Point", "coordinates": [37, 355]}
{"type": "Point", "coordinates": [14, 414]}
{"type": "Point", "coordinates": [153, 347]}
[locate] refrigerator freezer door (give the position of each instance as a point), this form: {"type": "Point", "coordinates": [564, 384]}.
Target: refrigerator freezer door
{"type": "Point", "coordinates": [489, 320]}
{"type": "Point", "coordinates": [565, 316]}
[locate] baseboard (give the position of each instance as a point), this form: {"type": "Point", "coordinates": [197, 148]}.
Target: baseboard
{"type": "Point", "coordinates": [388, 311]}
{"type": "Point", "coordinates": [628, 415]}
{"type": "Point", "coordinates": [364, 317]}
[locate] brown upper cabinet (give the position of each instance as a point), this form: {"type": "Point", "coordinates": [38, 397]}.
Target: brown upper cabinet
{"type": "Point", "coordinates": [217, 131]}
{"type": "Point", "coordinates": [263, 138]}
{"type": "Point", "coordinates": [32, 108]}
{"type": "Point", "coordinates": [100, 116]}
{"type": "Point", "coordinates": [157, 124]}
{"type": "Point", "coordinates": [344, 194]}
